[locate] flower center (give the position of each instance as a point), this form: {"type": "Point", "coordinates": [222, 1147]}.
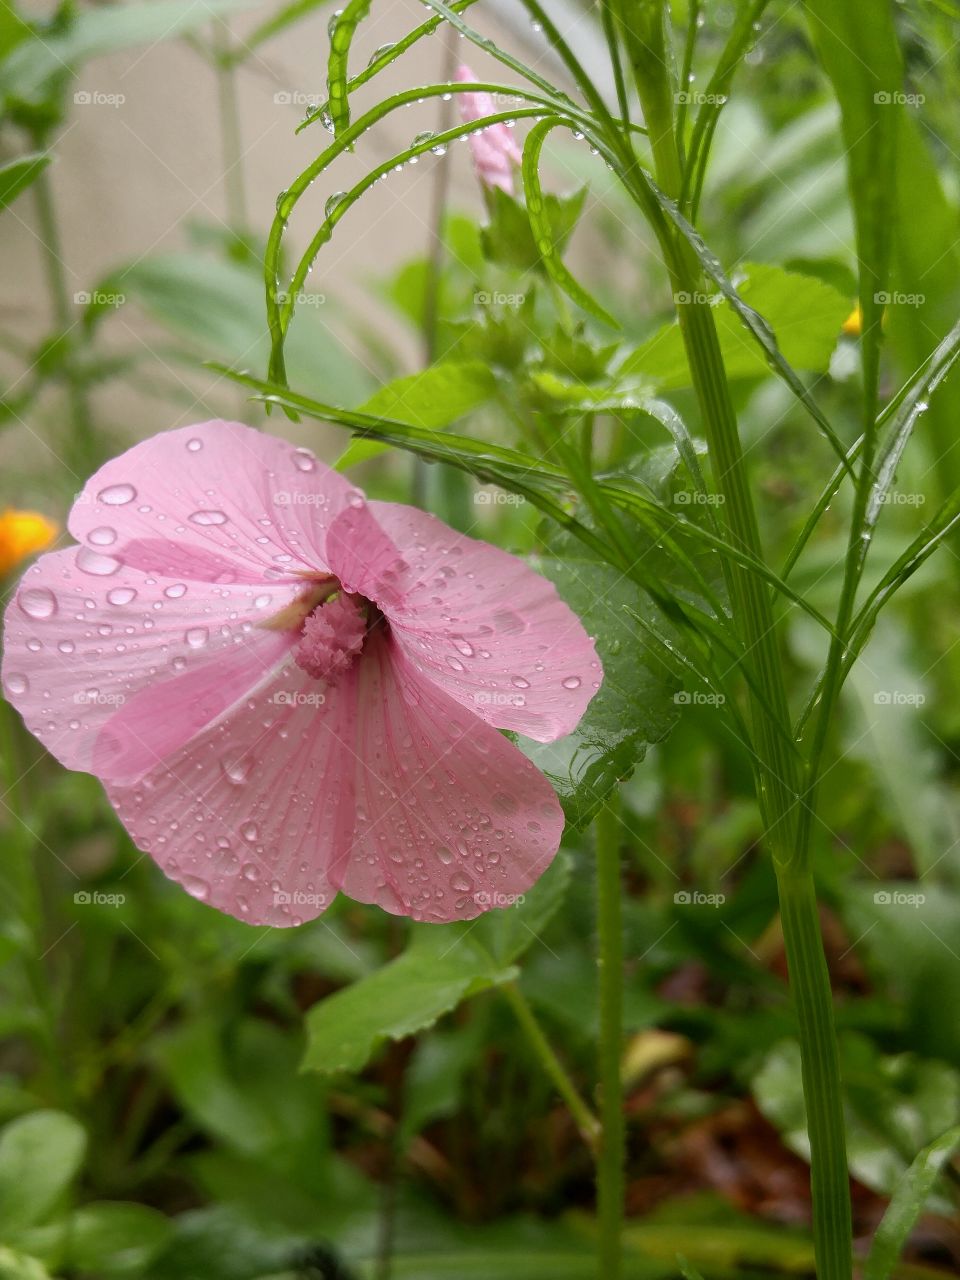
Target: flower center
{"type": "Point", "coordinates": [332, 637]}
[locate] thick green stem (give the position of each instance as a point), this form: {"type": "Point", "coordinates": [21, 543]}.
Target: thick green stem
{"type": "Point", "coordinates": [611, 1152]}
{"type": "Point", "coordinates": [586, 1121]}
{"type": "Point", "coordinates": [777, 769]}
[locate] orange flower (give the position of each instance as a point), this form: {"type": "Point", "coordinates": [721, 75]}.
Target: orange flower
{"type": "Point", "coordinates": [21, 534]}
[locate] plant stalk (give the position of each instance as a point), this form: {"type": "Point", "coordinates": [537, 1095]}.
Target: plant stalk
{"type": "Point", "coordinates": [777, 769]}
{"type": "Point", "coordinates": [611, 1154]}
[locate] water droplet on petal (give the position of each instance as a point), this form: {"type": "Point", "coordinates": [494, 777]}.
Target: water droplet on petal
{"type": "Point", "coordinates": [17, 683]}
{"type": "Point", "coordinates": [572, 682]}
{"type": "Point", "coordinates": [194, 445]}
{"type": "Point", "coordinates": [175, 591]}
{"type": "Point", "coordinates": [121, 595]}
{"type": "Point", "coordinates": [250, 832]}
{"type": "Point", "coordinates": [304, 460]}
{"type": "Point", "coordinates": [37, 602]}
{"type": "Point", "coordinates": [96, 563]}
{"type": "Point", "coordinates": [196, 887]}
{"type": "Point", "coordinates": [518, 682]}
{"type": "Point", "coordinates": [102, 537]}
{"type": "Point", "coordinates": [208, 517]}
{"type": "Point", "coordinates": [196, 637]}
{"type": "Point", "coordinates": [117, 495]}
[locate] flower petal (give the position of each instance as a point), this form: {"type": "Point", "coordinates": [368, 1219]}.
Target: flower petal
{"type": "Point", "coordinates": [451, 818]}
{"type": "Point", "coordinates": [484, 627]}
{"type": "Point", "coordinates": [216, 502]}
{"type": "Point", "coordinates": [81, 649]}
{"type": "Point", "coordinates": [250, 814]}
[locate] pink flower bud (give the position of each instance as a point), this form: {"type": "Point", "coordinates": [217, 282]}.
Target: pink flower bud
{"type": "Point", "coordinates": [495, 151]}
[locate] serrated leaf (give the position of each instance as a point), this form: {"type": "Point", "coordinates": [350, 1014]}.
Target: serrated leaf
{"type": "Point", "coordinates": [40, 1154]}
{"type": "Point", "coordinates": [507, 239]}
{"type": "Point", "coordinates": [804, 313]}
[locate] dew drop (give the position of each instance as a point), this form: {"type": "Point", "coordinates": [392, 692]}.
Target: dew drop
{"type": "Point", "coordinates": [572, 682]}
{"type": "Point", "coordinates": [121, 595]}
{"type": "Point", "coordinates": [304, 460]}
{"type": "Point", "coordinates": [175, 591]}
{"type": "Point", "coordinates": [518, 682]}
{"type": "Point", "coordinates": [250, 832]}
{"type": "Point", "coordinates": [206, 518]}
{"type": "Point", "coordinates": [17, 683]}
{"type": "Point", "coordinates": [333, 202]}
{"type": "Point", "coordinates": [96, 563]}
{"type": "Point", "coordinates": [117, 495]}
{"type": "Point", "coordinates": [196, 637]}
{"type": "Point", "coordinates": [37, 602]}
{"type": "Point", "coordinates": [196, 887]}
{"type": "Point", "coordinates": [102, 537]}
{"type": "Point", "coordinates": [66, 646]}
{"type": "Point", "coordinates": [236, 771]}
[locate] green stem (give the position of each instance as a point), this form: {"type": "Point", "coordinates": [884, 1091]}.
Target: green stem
{"type": "Point", "coordinates": [79, 445]}
{"type": "Point", "coordinates": [232, 150]}
{"type": "Point", "coordinates": [779, 780]}
{"type": "Point", "coordinates": [611, 1155]}
{"type": "Point", "coordinates": [587, 1122]}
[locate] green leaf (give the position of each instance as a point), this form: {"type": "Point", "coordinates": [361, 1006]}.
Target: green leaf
{"type": "Point", "coordinates": [436, 397]}
{"type": "Point", "coordinates": [40, 1154]}
{"type": "Point", "coordinates": [18, 1266]}
{"type": "Point", "coordinates": [17, 175]}
{"type": "Point", "coordinates": [508, 240]}
{"type": "Point", "coordinates": [112, 1238]}
{"type": "Point", "coordinates": [97, 31]}
{"type": "Point", "coordinates": [344, 27]}
{"type": "Point", "coordinates": [804, 313]}
{"type": "Point", "coordinates": [907, 1204]}
{"type": "Point", "coordinates": [634, 706]}
{"type": "Point", "coordinates": [442, 965]}
{"type": "Point", "coordinates": [216, 308]}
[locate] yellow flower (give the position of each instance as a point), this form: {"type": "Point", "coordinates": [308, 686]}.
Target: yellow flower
{"type": "Point", "coordinates": [21, 534]}
{"type": "Point", "coordinates": [853, 325]}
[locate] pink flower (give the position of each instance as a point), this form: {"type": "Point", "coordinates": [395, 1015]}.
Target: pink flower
{"type": "Point", "coordinates": [288, 690]}
{"type": "Point", "coordinates": [495, 151]}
